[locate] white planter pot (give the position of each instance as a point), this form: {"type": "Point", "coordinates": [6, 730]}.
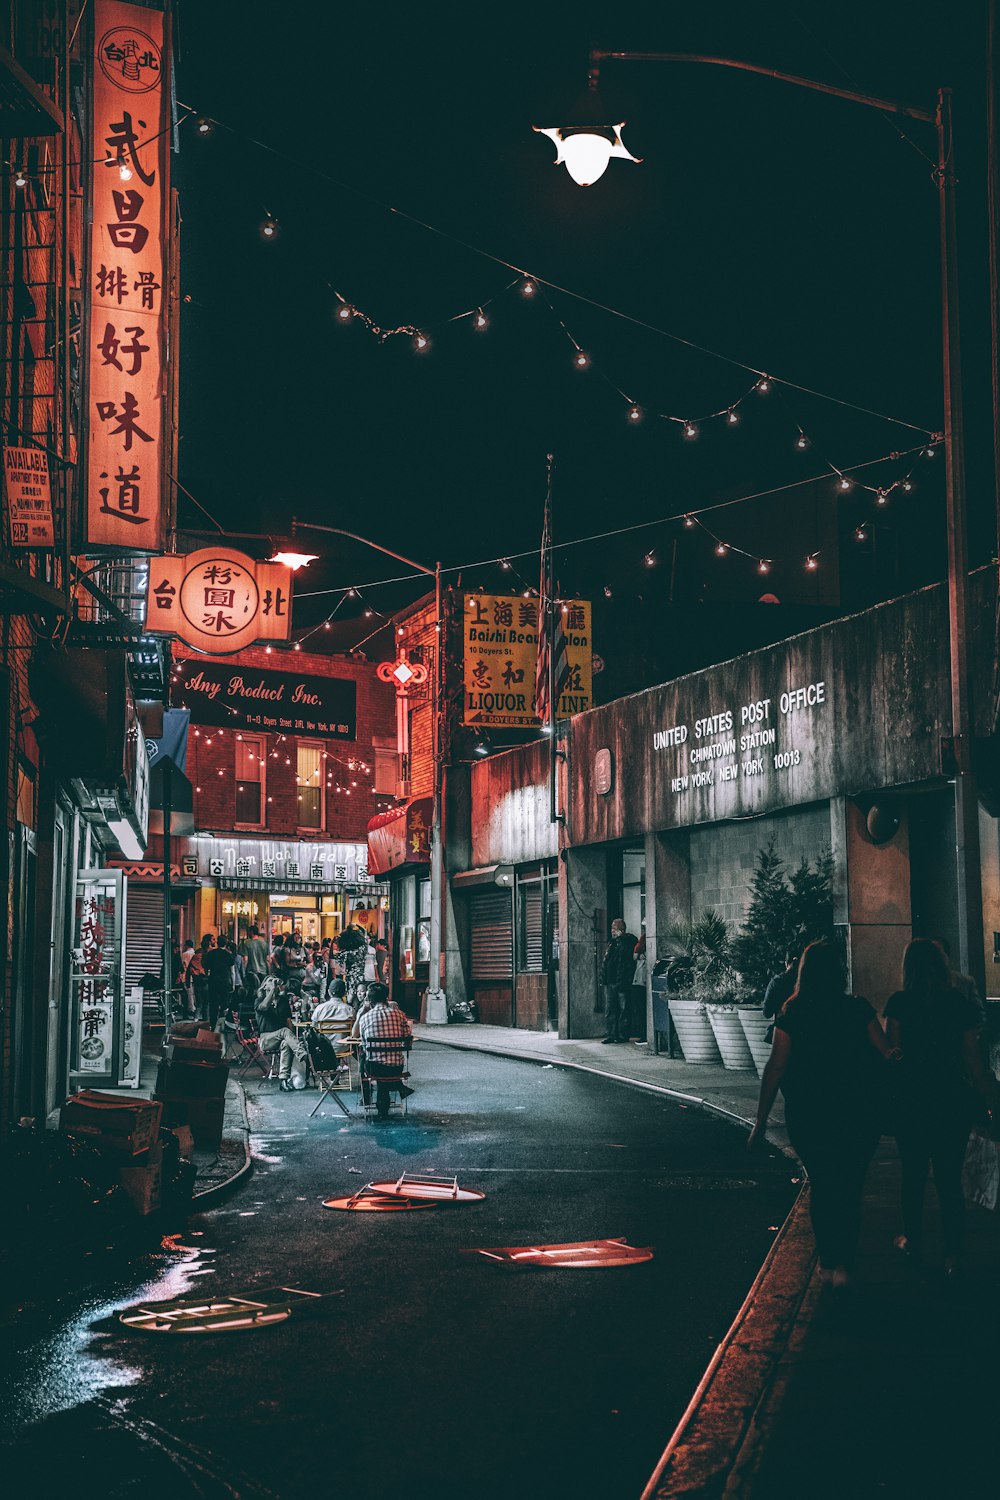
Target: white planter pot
{"type": "Point", "coordinates": [729, 1035]}
{"type": "Point", "coordinates": [755, 1028]}
{"type": "Point", "coordinates": [693, 1031]}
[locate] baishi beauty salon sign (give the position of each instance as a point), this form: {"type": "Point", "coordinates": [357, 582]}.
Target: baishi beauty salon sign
{"type": "Point", "coordinates": [269, 702]}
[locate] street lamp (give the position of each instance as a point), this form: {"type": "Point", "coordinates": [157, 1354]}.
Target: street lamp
{"type": "Point", "coordinates": [586, 146]}
{"type": "Point", "coordinates": [437, 1005]}
{"type": "Point", "coordinates": [968, 871]}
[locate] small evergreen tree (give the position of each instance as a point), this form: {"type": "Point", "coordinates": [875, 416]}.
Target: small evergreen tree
{"type": "Point", "coordinates": [783, 914]}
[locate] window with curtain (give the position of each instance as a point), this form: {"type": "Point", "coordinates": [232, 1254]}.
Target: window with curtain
{"type": "Point", "coordinates": [250, 764]}
{"type": "Point", "coordinates": [310, 786]}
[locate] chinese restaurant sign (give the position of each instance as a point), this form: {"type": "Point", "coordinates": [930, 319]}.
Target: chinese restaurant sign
{"type": "Point", "coordinates": [273, 702]}
{"type": "Point", "coordinates": [29, 501]}
{"type": "Point", "coordinates": [219, 600]}
{"type": "Point", "coordinates": [127, 272]}
{"type": "Point", "coordinates": [98, 926]}
{"type": "Point", "coordinates": [401, 836]}
{"type": "Point", "coordinates": [501, 654]}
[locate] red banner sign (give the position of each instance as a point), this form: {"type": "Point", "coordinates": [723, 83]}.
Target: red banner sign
{"type": "Point", "coordinates": [127, 271]}
{"type": "Point", "coordinates": [401, 836]}
{"type": "Point", "coordinates": [219, 600]}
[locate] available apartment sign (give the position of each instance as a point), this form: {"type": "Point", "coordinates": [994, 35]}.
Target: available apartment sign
{"type": "Point", "coordinates": [501, 655]}
{"type": "Point", "coordinates": [127, 273]}
{"type": "Point", "coordinates": [218, 600]}
{"type": "Point", "coordinates": [29, 498]}
{"type": "Point", "coordinates": [270, 702]}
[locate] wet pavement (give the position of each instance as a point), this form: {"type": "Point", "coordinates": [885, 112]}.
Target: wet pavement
{"type": "Point", "coordinates": [425, 1367]}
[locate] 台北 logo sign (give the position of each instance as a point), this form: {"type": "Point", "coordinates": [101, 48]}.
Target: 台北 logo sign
{"type": "Point", "coordinates": [129, 59]}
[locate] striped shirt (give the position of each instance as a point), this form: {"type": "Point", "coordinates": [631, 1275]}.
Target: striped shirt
{"type": "Point", "coordinates": [382, 1031]}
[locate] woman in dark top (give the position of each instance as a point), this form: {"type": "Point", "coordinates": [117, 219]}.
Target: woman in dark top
{"type": "Point", "coordinates": [934, 1026]}
{"type": "Point", "coordinates": [824, 1058]}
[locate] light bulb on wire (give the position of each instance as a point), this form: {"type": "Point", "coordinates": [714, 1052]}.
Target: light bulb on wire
{"type": "Point", "coordinates": [635, 414]}
{"type": "Point", "coordinates": [269, 228]}
{"type": "Point", "coordinates": [812, 563]}
{"type": "Point", "coordinates": [721, 548]}
{"type": "Point", "coordinates": [480, 321]}
{"type": "Point", "coordinates": [843, 484]}
{"type": "Point", "coordinates": [801, 442]}
{"type": "Point", "coordinates": [345, 312]}
{"type": "Point", "coordinates": [690, 430]}
{"type": "Point", "coordinates": [689, 522]}
{"type": "Point", "coordinates": [581, 360]}
{"type": "Point", "coordinates": [421, 342]}
{"type": "Point", "coordinates": [732, 417]}
{"type": "Point", "coordinates": [528, 287]}
{"type": "Point", "coordinates": [764, 566]}
{"type": "Point", "coordinates": [763, 385]}
{"type": "Point", "coordinates": [20, 178]}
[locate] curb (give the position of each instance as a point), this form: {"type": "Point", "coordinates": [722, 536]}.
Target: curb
{"type": "Point", "coordinates": [218, 1190]}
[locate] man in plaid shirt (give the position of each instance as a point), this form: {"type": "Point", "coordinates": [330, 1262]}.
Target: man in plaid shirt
{"type": "Point", "coordinates": [385, 1034]}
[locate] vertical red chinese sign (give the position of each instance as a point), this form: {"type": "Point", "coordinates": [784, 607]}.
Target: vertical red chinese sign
{"type": "Point", "coordinates": [127, 271]}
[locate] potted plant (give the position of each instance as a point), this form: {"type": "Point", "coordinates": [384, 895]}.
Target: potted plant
{"type": "Point", "coordinates": [785, 913]}
{"type": "Point", "coordinates": [696, 963]}
{"type": "Point", "coordinates": [725, 1013]}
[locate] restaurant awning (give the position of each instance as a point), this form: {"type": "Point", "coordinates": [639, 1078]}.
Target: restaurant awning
{"type": "Point", "coordinates": [502, 875]}
{"type": "Point", "coordinates": [401, 836]}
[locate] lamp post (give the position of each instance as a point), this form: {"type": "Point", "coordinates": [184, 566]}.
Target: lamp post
{"type": "Point", "coordinates": [593, 139]}
{"type": "Point", "coordinates": [437, 1006]}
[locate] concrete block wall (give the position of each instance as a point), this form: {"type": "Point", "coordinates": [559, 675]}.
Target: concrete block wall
{"type": "Point", "coordinates": [723, 856]}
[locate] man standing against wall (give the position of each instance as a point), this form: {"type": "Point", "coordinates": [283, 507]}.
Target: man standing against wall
{"type": "Point", "coordinates": [617, 970]}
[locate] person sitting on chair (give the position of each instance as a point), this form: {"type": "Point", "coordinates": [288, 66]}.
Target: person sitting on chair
{"type": "Point", "coordinates": [385, 1033]}
{"type": "Point", "coordinates": [277, 1034]}
{"type": "Point", "coordinates": [336, 1006]}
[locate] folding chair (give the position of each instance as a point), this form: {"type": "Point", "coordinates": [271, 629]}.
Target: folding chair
{"type": "Point", "coordinates": [253, 1054]}
{"type": "Point", "coordinates": [338, 1079]}
{"type": "Point", "coordinates": [393, 1083]}
{"type": "Point", "coordinates": [230, 1030]}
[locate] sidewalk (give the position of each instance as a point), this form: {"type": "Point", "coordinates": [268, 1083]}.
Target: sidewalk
{"type": "Point", "coordinates": [886, 1390]}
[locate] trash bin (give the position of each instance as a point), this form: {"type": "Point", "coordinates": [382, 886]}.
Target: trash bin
{"type": "Point", "coordinates": [662, 1024]}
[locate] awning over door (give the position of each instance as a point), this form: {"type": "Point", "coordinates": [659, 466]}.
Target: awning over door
{"type": "Point", "coordinates": [502, 875]}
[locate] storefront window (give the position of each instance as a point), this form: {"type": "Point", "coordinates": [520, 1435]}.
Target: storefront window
{"type": "Point", "coordinates": [310, 786]}
{"type": "Point", "coordinates": [250, 765]}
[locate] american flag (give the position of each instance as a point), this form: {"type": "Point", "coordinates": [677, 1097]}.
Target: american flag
{"type": "Point", "coordinates": [553, 669]}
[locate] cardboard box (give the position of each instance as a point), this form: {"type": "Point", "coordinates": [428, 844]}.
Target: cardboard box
{"type": "Point", "coordinates": [144, 1186]}
{"type": "Point", "coordinates": [185, 1140]}
{"type": "Point", "coordinates": [186, 1078]}
{"type": "Point", "coordinates": [127, 1126]}
{"type": "Point", "coordinates": [202, 1117]}
{"type": "Point", "coordinates": [205, 1121]}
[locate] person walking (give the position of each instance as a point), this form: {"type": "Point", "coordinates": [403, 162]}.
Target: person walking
{"type": "Point", "coordinates": [219, 968]}
{"type": "Point", "coordinates": [935, 1026]}
{"type": "Point", "coordinates": [825, 1059]}
{"type": "Point", "coordinates": [352, 945]}
{"type": "Point", "coordinates": [199, 976]}
{"type": "Point", "coordinates": [617, 969]}
{"type": "Point", "coordinates": [255, 954]}
{"type": "Point", "coordinates": [780, 986]}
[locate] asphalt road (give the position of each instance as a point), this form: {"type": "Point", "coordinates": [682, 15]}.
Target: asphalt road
{"type": "Point", "coordinates": [430, 1373]}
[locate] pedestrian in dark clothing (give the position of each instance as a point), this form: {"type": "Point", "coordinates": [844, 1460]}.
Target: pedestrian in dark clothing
{"type": "Point", "coordinates": [935, 1026]}
{"type": "Point", "coordinates": [825, 1059]}
{"type": "Point", "coordinates": [198, 974]}
{"type": "Point", "coordinates": [617, 969]}
{"type": "Point", "coordinates": [219, 968]}
{"type": "Point", "coordinates": [780, 986]}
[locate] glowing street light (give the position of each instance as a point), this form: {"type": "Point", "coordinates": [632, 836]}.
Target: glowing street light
{"type": "Point", "coordinates": [586, 145]}
{"type": "Point", "coordinates": [294, 560]}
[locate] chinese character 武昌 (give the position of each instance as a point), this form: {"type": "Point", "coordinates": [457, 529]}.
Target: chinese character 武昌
{"type": "Point", "coordinates": [124, 140]}
{"type": "Point", "coordinates": [128, 233]}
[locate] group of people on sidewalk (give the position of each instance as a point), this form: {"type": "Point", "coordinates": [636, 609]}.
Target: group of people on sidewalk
{"type": "Point", "coordinates": [847, 1079]}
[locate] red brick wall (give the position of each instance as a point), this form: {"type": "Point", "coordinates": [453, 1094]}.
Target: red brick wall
{"type": "Point", "coordinates": [212, 766]}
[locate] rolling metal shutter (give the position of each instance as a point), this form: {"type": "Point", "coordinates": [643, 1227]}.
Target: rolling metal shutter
{"type": "Point", "coordinates": [143, 932]}
{"type": "Point", "coordinates": [532, 959]}
{"type": "Point", "coordinates": [492, 935]}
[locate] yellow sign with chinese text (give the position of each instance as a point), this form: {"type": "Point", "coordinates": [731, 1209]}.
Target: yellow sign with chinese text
{"type": "Point", "coordinates": [500, 652]}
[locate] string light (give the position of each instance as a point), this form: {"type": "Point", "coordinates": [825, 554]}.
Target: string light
{"type": "Point", "coordinates": [860, 534]}
{"type": "Point", "coordinates": [732, 416]}
{"type": "Point", "coordinates": [763, 566]}
{"type": "Point", "coordinates": [689, 521]}
{"type": "Point", "coordinates": [881, 497]}
{"type": "Point", "coordinates": [906, 485]}
{"type": "Point", "coordinates": [801, 442]}
{"type": "Point", "coordinates": [581, 360]}
{"type": "Point", "coordinates": [690, 430]}
{"type": "Point", "coordinates": [721, 548]}
{"type": "Point", "coordinates": [20, 178]}
{"type": "Point", "coordinates": [763, 385]}
{"type": "Point", "coordinates": [297, 646]}
{"type": "Point", "coordinates": [269, 228]}
{"type": "Point", "coordinates": [812, 563]}
{"type": "Point", "coordinates": [421, 342]}
{"type": "Point", "coordinates": [650, 560]}
{"type": "Point", "coordinates": [528, 287]}
{"type": "Point", "coordinates": [203, 126]}
{"type": "Point", "coordinates": [635, 413]}
{"type": "Point", "coordinates": [345, 312]}
{"type": "Point", "coordinates": [124, 171]}
{"type": "Point", "coordinates": [480, 322]}
{"type": "Point", "coordinates": [607, 591]}
{"type": "Point", "coordinates": [843, 483]}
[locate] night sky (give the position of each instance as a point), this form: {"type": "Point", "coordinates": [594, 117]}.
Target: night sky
{"type": "Point", "coordinates": [792, 232]}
